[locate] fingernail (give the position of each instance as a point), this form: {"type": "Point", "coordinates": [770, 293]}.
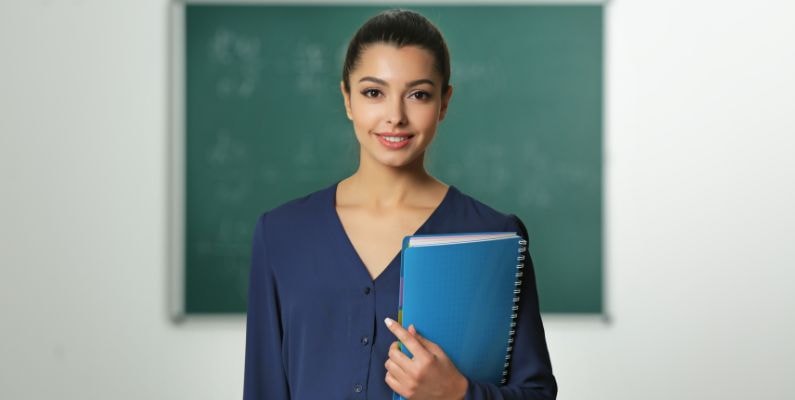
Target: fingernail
{"type": "Point", "coordinates": [388, 322]}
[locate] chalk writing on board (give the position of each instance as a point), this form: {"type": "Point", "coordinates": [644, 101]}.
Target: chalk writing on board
{"type": "Point", "coordinates": [309, 63]}
{"type": "Point", "coordinates": [226, 149]}
{"type": "Point", "coordinates": [226, 156]}
{"type": "Point", "coordinates": [232, 189]}
{"type": "Point", "coordinates": [229, 239]}
{"type": "Point", "coordinates": [238, 57]}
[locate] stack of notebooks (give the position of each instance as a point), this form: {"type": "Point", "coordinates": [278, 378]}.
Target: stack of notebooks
{"type": "Point", "coordinates": [462, 291]}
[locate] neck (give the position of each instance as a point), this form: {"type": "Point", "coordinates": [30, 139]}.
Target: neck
{"type": "Point", "coordinates": [386, 186]}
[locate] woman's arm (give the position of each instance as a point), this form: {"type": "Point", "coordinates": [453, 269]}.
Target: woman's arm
{"type": "Point", "coordinates": [264, 376]}
{"type": "Point", "coordinates": [530, 375]}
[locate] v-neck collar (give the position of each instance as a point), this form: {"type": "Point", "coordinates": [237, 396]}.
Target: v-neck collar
{"type": "Point", "coordinates": [348, 244]}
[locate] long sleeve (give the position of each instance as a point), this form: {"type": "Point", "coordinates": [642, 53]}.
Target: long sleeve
{"type": "Point", "coordinates": [530, 374]}
{"type": "Point", "coordinates": [264, 376]}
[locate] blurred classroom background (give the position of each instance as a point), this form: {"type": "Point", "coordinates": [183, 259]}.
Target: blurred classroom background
{"type": "Point", "coordinates": [699, 183]}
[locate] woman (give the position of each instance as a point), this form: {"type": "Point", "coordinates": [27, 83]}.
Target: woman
{"type": "Point", "coordinates": [324, 280]}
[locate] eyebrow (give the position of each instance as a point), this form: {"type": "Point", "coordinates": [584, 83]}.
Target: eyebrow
{"type": "Point", "coordinates": [409, 84]}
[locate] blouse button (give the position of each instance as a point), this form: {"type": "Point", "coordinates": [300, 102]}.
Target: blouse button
{"type": "Point", "coordinates": [357, 388]}
{"type": "Point", "coordinates": [367, 290]}
{"type": "Point", "coordinates": [365, 340]}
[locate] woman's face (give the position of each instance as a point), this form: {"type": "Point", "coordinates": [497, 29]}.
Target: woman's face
{"type": "Point", "coordinates": [395, 102]}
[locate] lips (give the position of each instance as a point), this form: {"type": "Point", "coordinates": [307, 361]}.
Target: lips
{"type": "Point", "coordinates": [395, 140]}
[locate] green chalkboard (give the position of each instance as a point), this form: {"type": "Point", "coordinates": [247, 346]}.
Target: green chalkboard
{"type": "Point", "coordinates": [264, 123]}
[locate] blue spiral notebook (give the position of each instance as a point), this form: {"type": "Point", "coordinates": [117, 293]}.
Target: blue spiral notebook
{"type": "Point", "coordinates": [461, 291]}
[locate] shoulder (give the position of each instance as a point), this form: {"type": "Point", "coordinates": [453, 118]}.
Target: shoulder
{"type": "Point", "coordinates": [481, 216]}
{"type": "Point", "coordinates": [299, 213]}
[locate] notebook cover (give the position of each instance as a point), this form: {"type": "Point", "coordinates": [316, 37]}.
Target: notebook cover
{"type": "Point", "coordinates": [460, 297]}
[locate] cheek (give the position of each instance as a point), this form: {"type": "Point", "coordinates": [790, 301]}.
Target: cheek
{"type": "Point", "coordinates": [424, 116]}
{"type": "Point", "coordinates": [364, 116]}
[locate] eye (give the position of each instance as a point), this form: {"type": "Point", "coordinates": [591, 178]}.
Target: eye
{"type": "Point", "coordinates": [420, 95]}
{"type": "Point", "coordinates": [371, 93]}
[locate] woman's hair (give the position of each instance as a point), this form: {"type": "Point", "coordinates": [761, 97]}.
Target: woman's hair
{"type": "Point", "coordinates": [400, 28]}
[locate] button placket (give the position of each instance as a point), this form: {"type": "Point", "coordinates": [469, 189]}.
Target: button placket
{"type": "Point", "coordinates": [365, 336]}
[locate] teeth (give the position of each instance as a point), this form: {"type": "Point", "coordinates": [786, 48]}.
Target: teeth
{"type": "Point", "coordinates": [394, 139]}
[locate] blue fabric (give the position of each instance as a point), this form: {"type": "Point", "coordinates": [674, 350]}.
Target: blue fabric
{"type": "Point", "coordinates": [315, 325]}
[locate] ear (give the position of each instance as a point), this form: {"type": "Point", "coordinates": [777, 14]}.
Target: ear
{"type": "Point", "coordinates": [445, 102]}
{"type": "Point", "coordinates": [346, 98]}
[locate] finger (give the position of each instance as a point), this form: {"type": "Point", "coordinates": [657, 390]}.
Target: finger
{"type": "Point", "coordinates": [400, 359]}
{"type": "Point", "coordinates": [397, 371]}
{"type": "Point", "coordinates": [429, 345]}
{"type": "Point", "coordinates": [395, 385]}
{"type": "Point", "coordinates": [415, 347]}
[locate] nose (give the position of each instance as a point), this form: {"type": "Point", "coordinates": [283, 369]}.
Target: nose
{"type": "Point", "coordinates": [396, 112]}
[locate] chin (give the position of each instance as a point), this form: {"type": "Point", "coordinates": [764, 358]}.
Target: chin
{"type": "Point", "coordinates": [394, 160]}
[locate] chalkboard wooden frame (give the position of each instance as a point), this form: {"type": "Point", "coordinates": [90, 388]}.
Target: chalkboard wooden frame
{"type": "Point", "coordinates": [177, 72]}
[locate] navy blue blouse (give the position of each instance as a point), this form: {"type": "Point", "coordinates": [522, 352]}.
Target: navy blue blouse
{"type": "Point", "coordinates": [315, 325]}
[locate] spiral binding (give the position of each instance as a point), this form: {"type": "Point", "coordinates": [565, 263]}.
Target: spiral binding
{"type": "Point", "coordinates": [515, 308]}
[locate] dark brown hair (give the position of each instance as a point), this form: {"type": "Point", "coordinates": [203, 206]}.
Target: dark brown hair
{"type": "Point", "coordinates": [400, 28]}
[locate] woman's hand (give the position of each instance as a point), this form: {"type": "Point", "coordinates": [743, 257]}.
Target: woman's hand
{"type": "Point", "coordinates": [429, 375]}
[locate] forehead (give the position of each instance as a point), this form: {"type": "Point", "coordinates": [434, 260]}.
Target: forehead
{"type": "Point", "coordinates": [389, 62]}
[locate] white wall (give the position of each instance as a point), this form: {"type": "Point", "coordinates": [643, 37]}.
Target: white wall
{"type": "Point", "coordinates": [700, 227]}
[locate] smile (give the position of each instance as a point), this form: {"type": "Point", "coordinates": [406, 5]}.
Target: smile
{"type": "Point", "coordinates": [394, 140]}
